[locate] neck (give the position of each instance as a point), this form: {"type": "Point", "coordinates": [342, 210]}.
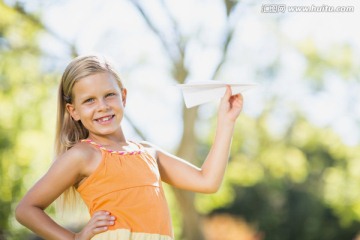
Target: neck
{"type": "Point", "coordinates": [117, 137]}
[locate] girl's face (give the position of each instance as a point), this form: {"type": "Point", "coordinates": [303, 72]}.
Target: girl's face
{"type": "Point", "coordinates": [98, 102]}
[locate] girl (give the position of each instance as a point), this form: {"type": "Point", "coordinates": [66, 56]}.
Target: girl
{"type": "Point", "coordinates": [119, 180]}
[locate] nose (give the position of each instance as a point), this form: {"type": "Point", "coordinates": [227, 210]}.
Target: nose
{"type": "Point", "coordinates": [103, 105]}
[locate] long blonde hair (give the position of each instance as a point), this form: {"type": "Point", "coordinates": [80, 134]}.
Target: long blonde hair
{"type": "Point", "coordinates": [68, 131]}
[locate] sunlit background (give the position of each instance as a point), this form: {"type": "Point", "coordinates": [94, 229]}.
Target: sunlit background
{"type": "Point", "coordinates": [294, 170]}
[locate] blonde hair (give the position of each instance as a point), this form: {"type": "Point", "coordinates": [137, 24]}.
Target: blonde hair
{"type": "Point", "coordinates": [68, 131]}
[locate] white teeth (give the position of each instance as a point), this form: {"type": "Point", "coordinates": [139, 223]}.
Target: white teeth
{"type": "Point", "coordinates": [105, 119]}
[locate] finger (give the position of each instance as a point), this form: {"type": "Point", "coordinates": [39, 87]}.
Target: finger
{"type": "Point", "coordinates": [228, 93]}
{"type": "Point", "coordinates": [102, 226]}
{"type": "Point", "coordinates": [99, 226]}
{"type": "Point", "coordinates": [98, 217]}
{"type": "Point", "coordinates": [103, 217]}
{"type": "Point", "coordinates": [237, 99]}
{"type": "Point", "coordinates": [104, 223]}
{"type": "Point", "coordinates": [99, 230]}
{"type": "Point", "coordinates": [101, 212]}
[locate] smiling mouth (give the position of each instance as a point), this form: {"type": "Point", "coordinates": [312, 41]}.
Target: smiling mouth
{"type": "Point", "coordinates": [104, 119]}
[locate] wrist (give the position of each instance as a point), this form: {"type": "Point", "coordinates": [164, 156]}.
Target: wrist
{"type": "Point", "coordinates": [76, 236]}
{"type": "Point", "coordinates": [226, 123]}
{"type": "Point", "coordinates": [225, 130]}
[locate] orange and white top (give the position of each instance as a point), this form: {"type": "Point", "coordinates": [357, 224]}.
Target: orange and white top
{"type": "Point", "coordinates": [128, 185]}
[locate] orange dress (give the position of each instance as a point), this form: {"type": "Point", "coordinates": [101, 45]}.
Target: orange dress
{"type": "Point", "coordinates": [128, 185]}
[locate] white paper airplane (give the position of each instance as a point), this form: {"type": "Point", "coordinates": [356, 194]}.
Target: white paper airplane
{"type": "Point", "coordinates": [199, 92]}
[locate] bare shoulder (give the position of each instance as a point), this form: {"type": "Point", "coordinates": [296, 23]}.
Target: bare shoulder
{"type": "Point", "coordinates": [67, 170]}
{"type": "Point", "coordinates": [150, 148]}
{"type": "Point", "coordinates": [157, 152]}
{"type": "Point", "coordinates": [77, 153]}
{"type": "Point", "coordinates": [80, 156]}
{"type": "Point", "coordinates": [83, 150]}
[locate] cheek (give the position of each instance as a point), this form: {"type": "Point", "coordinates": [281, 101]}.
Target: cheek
{"type": "Point", "coordinates": [85, 112]}
{"type": "Point", "coordinates": [116, 103]}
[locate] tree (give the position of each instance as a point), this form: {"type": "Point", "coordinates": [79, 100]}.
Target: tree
{"type": "Point", "coordinates": [176, 51]}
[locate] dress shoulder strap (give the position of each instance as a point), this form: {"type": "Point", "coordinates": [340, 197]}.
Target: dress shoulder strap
{"type": "Point", "coordinates": [101, 147]}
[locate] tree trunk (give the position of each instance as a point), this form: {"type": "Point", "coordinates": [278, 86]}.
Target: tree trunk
{"type": "Point", "coordinates": [191, 220]}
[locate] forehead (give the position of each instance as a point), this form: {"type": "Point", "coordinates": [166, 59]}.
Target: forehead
{"type": "Point", "coordinates": [95, 83]}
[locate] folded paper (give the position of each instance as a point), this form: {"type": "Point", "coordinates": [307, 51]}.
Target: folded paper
{"type": "Point", "coordinates": [196, 93]}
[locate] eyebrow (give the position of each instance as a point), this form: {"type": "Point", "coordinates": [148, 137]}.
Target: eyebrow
{"type": "Point", "coordinates": [110, 90]}
{"type": "Point", "coordinates": [82, 97]}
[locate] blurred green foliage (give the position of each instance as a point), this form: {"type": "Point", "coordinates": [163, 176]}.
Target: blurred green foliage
{"type": "Point", "coordinates": [301, 185]}
{"type": "Point", "coordinates": [24, 96]}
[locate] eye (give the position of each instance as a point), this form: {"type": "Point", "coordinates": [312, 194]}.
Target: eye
{"type": "Point", "coordinates": [110, 94]}
{"type": "Point", "coordinates": [89, 100]}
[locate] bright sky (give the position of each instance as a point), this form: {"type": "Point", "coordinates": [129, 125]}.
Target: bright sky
{"type": "Point", "coordinates": [115, 29]}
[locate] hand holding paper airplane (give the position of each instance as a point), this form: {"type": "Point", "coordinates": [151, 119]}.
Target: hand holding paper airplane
{"type": "Point", "coordinates": [196, 93]}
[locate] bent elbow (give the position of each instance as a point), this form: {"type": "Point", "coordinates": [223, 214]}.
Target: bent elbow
{"type": "Point", "coordinates": [19, 212]}
{"type": "Point", "coordinates": [211, 189]}
{"type": "Point", "coordinates": [214, 190]}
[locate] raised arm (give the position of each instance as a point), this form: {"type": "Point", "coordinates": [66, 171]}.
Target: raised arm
{"type": "Point", "coordinates": [208, 178]}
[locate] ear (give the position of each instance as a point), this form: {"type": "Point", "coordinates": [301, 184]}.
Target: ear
{"type": "Point", "coordinates": [72, 111]}
{"type": "Point", "coordinates": [123, 96]}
